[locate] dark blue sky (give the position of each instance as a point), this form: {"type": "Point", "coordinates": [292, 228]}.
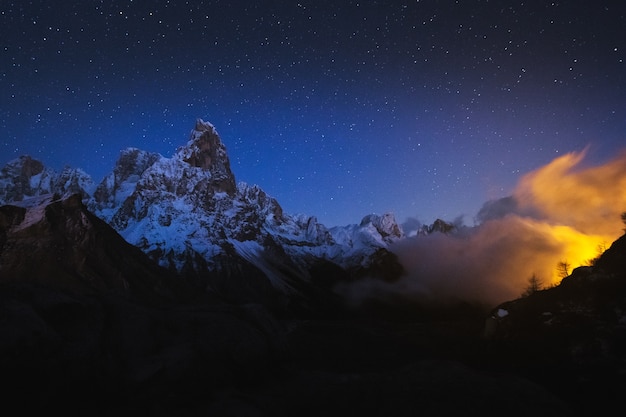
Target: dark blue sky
{"type": "Point", "coordinates": [336, 108]}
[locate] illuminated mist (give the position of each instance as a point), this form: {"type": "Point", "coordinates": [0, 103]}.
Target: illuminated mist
{"type": "Point", "coordinates": [560, 213]}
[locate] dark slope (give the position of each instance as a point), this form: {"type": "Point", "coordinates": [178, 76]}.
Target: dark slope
{"type": "Point", "coordinates": [89, 325]}
{"type": "Point", "coordinates": [571, 337]}
{"type": "Point", "coordinates": [60, 244]}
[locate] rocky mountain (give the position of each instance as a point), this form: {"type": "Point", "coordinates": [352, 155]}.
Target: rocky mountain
{"type": "Point", "coordinates": [26, 177]}
{"type": "Point", "coordinates": [161, 291]}
{"type": "Point", "coordinates": [188, 214]}
{"type": "Point", "coordinates": [58, 243]}
{"type": "Point", "coordinates": [172, 208]}
{"type": "Point", "coordinates": [88, 323]}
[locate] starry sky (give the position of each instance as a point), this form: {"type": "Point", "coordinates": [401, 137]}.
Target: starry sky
{"type": "Point", "coordinates": [426, 109]}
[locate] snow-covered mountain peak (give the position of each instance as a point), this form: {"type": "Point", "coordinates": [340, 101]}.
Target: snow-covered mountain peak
{"type": "Point", "coordinates": [74, 181]}
{"type": "Point", "coordinates": [25, 177]}
{"type": "Point", "coordinates": [187, 213]}
{"type": "Point", "coordinates": [202, 126]}
{"type": "Point", "coordinates": [122, 181]}
{"type": "Point", "coordinates": [24, 165]}
{"type": "Point", "coordinates": [385, 225]}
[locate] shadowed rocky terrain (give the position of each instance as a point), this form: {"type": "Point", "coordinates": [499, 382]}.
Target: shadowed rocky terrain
{"type": "Point", "coordinates": [89, 324]}
{"type": "Point", "coordinates": [168, 289]}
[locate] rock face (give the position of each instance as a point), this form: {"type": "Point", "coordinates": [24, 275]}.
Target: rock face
{"type": "Point", "coordinates": [91, 324]}
{"type": "Point", "coordinates": [26, 177]}
{"type": "Point", "coordinates": [440, 226]}
{"type": "Point", "coordinates": [205, 150]}
{"type": "Point", "coordinates": [59, 243]}
{"type": "Point", "coordinates": [88, 322]}
{"type": "Point", "coordinates": [120, 183]}
{"type": "Point", "coordinates": [189, 215]}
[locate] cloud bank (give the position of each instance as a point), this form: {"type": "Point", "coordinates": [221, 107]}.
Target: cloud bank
{"type": "Point", "coordinates": [562, 212]}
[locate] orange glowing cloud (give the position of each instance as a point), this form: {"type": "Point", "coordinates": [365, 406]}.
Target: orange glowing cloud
{"type": "Point", "coordinates": [589, 200]}
{"type": "Point", "coordinates": [560, 213]}
{"type": "Point", "coordinates": [581, 207]}
{"type": "Point", "coordinates": [492, 262]}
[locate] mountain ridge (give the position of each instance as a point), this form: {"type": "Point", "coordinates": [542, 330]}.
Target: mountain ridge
{"type": "Point", "coordinates": [189, 215]}
{"type": "Point", "coordinates": [188, 296]}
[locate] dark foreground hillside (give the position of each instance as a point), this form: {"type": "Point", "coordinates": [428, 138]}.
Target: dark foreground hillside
{"type": "Point", "coordinates": [98, 330]}
{"type": "Point", "coordinates": [108, 356]}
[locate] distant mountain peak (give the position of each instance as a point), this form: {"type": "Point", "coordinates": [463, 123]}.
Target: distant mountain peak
{"type": "Point", "coordinates": [202, 126]}
{"type": "Point", "coordinates": [385, 225]}
{"type": "Point", "coordinates": [441, 226]}
{"type": "Point", "coordinates": [26, 177]}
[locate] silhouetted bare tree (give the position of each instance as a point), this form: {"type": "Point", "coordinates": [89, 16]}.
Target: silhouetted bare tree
{"type": "Point", "coordinates": [600, 249]}
{"type": "Point", "coordinates": [563, 268]}
{"type": "Point", "coordinates": [534, 285]}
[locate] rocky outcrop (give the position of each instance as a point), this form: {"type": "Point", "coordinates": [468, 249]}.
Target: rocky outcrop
{"type": "Point", "coordinates": [385, 225]}
{"type": "Point", "coordinates": [89, 324]}
{"type": "Point", "coordinates": [25, 177]}
{"type": "Point", "coordinates": [120, 183]}
{"type": "Point", "coordinates": [22, 178]}
{"type": "Point", "coordinates": [59, 243]}
{"type": "Point", "coordinates": [440, 226]}
{"type": "Point", "coordinates": [188, 215]}
{"type": "Point", "coordinates": [205, 150]}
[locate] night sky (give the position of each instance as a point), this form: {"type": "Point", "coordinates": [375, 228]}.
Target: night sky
{"type": "Point", "coordinates": [336, 108]}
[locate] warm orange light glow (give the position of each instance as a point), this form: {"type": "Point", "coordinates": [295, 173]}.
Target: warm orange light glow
{"type": "Point", "coordinates": [578, 249]}
{"type": "Point", "coordinates": [562, 213]}
{"type": "Point", "coordinates": [589, 200]}
{"type": "Point", "coordinates": [580, 207]}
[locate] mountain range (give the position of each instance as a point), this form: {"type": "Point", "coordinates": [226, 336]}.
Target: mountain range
{"type": "Point", "coordinates": [189, 215]}
{"type": "Point", "coordinates": [170, 289]}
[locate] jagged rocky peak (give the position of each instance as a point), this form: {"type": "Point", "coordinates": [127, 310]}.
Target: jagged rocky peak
{"type": "Point", "coordinates": [24, 166]}
{"type": "Point", "coordinates": [25, 177]}
{"type": "Point", "coordinates": [315, 231]}
{"type": "Point", "coordinates": [441, 226]}
{"type": "Point", "coordinates": [255, 196]}
{"type": "Point", "coordinates": [73, 181]}
{"type": "Point", "coordinates": [206, 150]}
{"type": "Point", "coordinates": [22, 178]}
{"type": "Point", "coordinates": [130, 165]}
{"type": "Point", "coordinates": [133, 161]}
{"type": "Point", "coordinates": [386, 225]}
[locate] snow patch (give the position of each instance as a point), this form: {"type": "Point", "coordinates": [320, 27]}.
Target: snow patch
{"type": "Point", "coordinates": [35, 210]}
{"type": "Point", "coordinates": [252, 252]}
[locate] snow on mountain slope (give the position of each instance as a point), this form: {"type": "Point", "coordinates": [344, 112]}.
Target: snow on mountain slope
{"type": "Point", "coordinates": [120, 184]}
{"type": "Point", "coordinates": [25, 177]}
{"type": "Point", "coordinates": [188, 206]}
{"type": "Point", "coordinates": [188, 213]}
{"type": "Point", "coordinates": [35, 210]}
{"type": "Point", "coordinates": [356, 243]}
